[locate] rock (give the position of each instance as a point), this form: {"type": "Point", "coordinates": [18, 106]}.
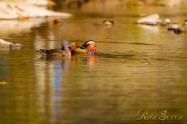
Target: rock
{"type": "Point", "coordinates": [6, 44]}
{"type": "Point", "coordinates": [169, 3]}
{"type": "Point", "coordinates": [179, 31]}
{"type": "Point", "coordinates": [44, 3]}
{"type": "Point", "coordinates": [152, 19]}
{"type": "Point", "coordinates": [174, 26]}
{"type": "Point", "coordinates": [165, 22]}
{"type": "Point", "coordinates": [22, 10]}
{"type": "Point", "coordinates": [16, 46]}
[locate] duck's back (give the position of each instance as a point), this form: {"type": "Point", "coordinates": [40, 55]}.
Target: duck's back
{"type": "Point", "coordinates": [53, 52]}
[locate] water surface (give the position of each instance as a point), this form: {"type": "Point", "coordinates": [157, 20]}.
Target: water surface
{"type": "Point", "coordinates": [136, 67]}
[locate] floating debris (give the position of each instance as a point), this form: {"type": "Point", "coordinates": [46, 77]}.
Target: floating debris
{"type": "Point", "coordinates": [3, 82]}
{"type": "Point", "coordinates": [108, 23]}
{"type": "Point", "coordinates": [56, 21]}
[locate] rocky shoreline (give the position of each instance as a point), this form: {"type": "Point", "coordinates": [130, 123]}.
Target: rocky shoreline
{"type": "Point", "coordinates": [24, 10]}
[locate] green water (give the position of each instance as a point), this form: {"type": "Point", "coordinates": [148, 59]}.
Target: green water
{"type": "Point", "coordinates": [136, 67]}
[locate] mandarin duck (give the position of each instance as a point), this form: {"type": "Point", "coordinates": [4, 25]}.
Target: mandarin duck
{"type": "Point", "coordinates": [87, 48]}
{"type": "Point", "coordinates": [63, 51]}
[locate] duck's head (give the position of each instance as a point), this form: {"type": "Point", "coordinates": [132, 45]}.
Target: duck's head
{"type": "Point", "coordinates": [65, 45]}
{"type": "Point", "coordinates": [90, 45]}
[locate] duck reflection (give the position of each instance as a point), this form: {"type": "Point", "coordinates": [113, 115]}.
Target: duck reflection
{"type": "Point", "coordinates": [89, 60]}
{"type": "Point", "coordinates": [76, 59]}
{"type": "Point", "coordinates": [150, 28]}
{"type": "Point", "coordinates": [3, 67]}
{"type": "Point", "coordinates": [8, 27]}
{"type": "Point", "coordinates": [51, 73]}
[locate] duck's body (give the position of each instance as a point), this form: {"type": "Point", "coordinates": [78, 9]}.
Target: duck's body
{"type": "Point", "coordinates": [81, 50]}
{"type": "Point", "coordinates": [87, 48]}
{"type": "Point", "coordinates": [53, 52]}
{"type": "Point", "coordinates": [63, 51]}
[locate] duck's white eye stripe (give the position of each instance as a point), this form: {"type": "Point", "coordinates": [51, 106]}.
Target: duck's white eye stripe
{"type": "Point", "coordinates": [88, 42]}
{"type": "Point", "coordinates": [91, 42]}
